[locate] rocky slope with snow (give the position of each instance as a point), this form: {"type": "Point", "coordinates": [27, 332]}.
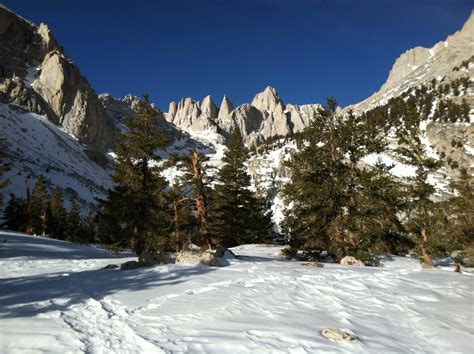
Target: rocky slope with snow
{"type": "Point", "coordinates": [34, 146]}
{"type": "Point", "coordinates": [36, 74]}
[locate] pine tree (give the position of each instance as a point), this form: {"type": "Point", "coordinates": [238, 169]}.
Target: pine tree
{"type": "Point", "coordinates": [326, 195]}
{"type": "Point", "coordinates": [195, 184]}
{"type": "Point", "coordinates": [73, 219]}
{"type": "Point", "coordinates": [410, 149]}
{"type": "Point", "coordinates": [3, 169]}
{"type": "Point", "coordinates": [262, 223]}
{"type": "Point", "coordinates": [135, 213]}
{"type": "Point", "coordinates": [452, 224]}
{"type": "Point", "coordinates": [56, 215]}
{"type": "Point", "coordinates": [39, 204]}
{"type": "Point", "coordinates": [182, 218]}
{"type": "Point", "coordinates": [16, 214]}
{"type": "Point", "coordinates": [233, 208]}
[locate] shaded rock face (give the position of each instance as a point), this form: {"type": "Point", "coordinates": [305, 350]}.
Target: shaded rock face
{"type": "Point", "coordinates": [120, 109]}
{"type": "Point", "coordinates": [37, 75]}
{"type": "Point", "coordinates": [148, 259]}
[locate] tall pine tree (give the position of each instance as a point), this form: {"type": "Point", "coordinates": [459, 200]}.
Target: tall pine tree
{"type": "Point", "coordinates": [135, 213]}
{"type": "Point", "coordinates": [235, 217]}
{"type": "Point", "coordinates": [38, 206]}
{"type": "Point", "coordinates": [326, 195]}
{"type": "Point", "coordinates": [411, 150]}
{"type": "Point", "coordinates": [56, 215]}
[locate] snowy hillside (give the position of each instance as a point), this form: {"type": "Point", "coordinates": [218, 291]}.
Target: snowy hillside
{"type": "Point", "coordinates": [258, 303]}
{"type": "Point", "coordinates": [36, 147]}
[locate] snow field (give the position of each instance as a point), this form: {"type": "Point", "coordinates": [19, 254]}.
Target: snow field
{"type": "Point", "coordinates": [54, 297]}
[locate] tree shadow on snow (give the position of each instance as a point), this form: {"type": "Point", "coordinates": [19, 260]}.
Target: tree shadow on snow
{"type": "Point", "coordinates": [45, 248]}
{"type": "Point", "coordinates": [59, 291]}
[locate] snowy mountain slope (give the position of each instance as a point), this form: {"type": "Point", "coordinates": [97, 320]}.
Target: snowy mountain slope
{"type": "Point", "coordinates": [36, 147]}
{"type": "Point", "coordinates": [54, 297]}
{"type": "Point", "coordinates": [445, 61]}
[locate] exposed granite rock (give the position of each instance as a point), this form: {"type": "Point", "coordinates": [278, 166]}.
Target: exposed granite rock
{"type": "Point", "coordinates": [266, 100]}
{"type": "Point", "coordinates": [51, 82]}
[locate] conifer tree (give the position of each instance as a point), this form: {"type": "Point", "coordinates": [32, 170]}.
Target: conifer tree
{"type": "Point", "coordinates": [182, 219]}
{"type": "Point", "coordinates": [135, 213]}
{"type": "Point", "coordinates": [326, 191]}
{"type": "Point", "coordinates": [56, 215]}
{"type": "Point", "coordinates": [16, 215]}
{"type": "Point", "coordinates": [194, 184]}
{"type": "Point", "coordinates": [410, 149]}
{"type": "Point", "coordinates": [3, 169]}
{"type": "Point", "coordinates": [73, 220]}
{"type": "Point", "coordinates": [452, 224]}
{"type": "Point", "coordinates": [233, 209]}
{"type": "Point", "coordinates": [39, 204]}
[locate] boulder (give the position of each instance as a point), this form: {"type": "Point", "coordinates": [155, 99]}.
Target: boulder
{"type": "Point", "coordinates": [287, 252]}
{"type": "Point", "coordinates": [223, 252]}
{"type": "Point", "coordinates": [464, 257]}
{"type": "Point", "coordinates": [192, 254]}
{"type": "Point", "coordinates": [148, 259]}
{"type": "Point", "coordinates": [313, 264]}
{"type": "Point", "coordinates": [111, 266]}
{"type": "Point", "coordinates": [130, 265]}
{"type": "Point", "coordinates": [338, 335]}
{"type": "Point", "coordinates": [352, 261]}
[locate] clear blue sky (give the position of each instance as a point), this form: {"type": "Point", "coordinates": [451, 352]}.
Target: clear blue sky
{"type": "Point", "coordinates": [306, 49]}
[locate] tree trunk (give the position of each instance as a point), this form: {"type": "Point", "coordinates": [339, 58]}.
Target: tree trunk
{"type": "Point", "coordinates": [426, 256]}
{"type": "Point", "coordinates": [29, 212]}
{"type": "Point", "coordinates": [178, 245]}
{"type": "Point", "coordinates": [44, 223]}
{"type": "Point", "coordinates": [199, 200]}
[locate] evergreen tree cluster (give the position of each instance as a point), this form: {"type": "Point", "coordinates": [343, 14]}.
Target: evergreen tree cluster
{"type": "Point", "coordinates": [144, 213]}
{"type": "Point", "coordinates": [43, 213]}
{"type": "Point", "coordinates": [339, 205]}
{"type": "Point", "coordinates": [236, 214]}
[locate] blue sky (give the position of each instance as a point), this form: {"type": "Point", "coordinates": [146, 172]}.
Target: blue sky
{"type": "Point", "coordinates": [306, 49]}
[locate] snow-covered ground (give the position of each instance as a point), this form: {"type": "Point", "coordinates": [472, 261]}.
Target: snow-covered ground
{"type": "Point", "coordinates": [55, 298]}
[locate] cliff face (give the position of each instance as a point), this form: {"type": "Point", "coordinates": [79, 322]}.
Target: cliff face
{"type": "Point", "coordinates": [265, 117]}
{"type": "Point", "coordinates": [445, 61]}
{"type": "Point", "coordinates": [36, 74]}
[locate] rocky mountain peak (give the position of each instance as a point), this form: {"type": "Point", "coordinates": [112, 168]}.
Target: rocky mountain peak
{"type": "Point", "coordinates": [208, 107]}
{"type": "Point", "coordinates": [406, 64]}
{"type": "Point", "coordinates": [266, 100]}
{"type": "Point", "coordinates": [420, 65]}
{"type": "Point", "coordinates": [225, 108]}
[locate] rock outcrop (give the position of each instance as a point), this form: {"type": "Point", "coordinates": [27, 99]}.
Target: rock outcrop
{"type": "Point", "coordinates": [190, 115]}
{"type": "Point", "coordinates": [226, 108]}
{"type": "Point", "coordinates": [265, 117]}
{"type": "Point", "coordinates": [338, 335]}
{"type": "Point", "coordinates": [148, 259]}
{"type": "Point", "coordinates": [420, 65]}
{"type": "Point", "coordinates": [192, 254]}
{"type": "Point", "coordinates": [267, 100]}
{"type": "Point", "coordinates": [352, 261]}
{"type": "Point", "coordinates": [36, 74]}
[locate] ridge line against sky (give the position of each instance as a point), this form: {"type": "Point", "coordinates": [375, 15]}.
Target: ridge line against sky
{"type": "Point", "coordinates": [306, 49]}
